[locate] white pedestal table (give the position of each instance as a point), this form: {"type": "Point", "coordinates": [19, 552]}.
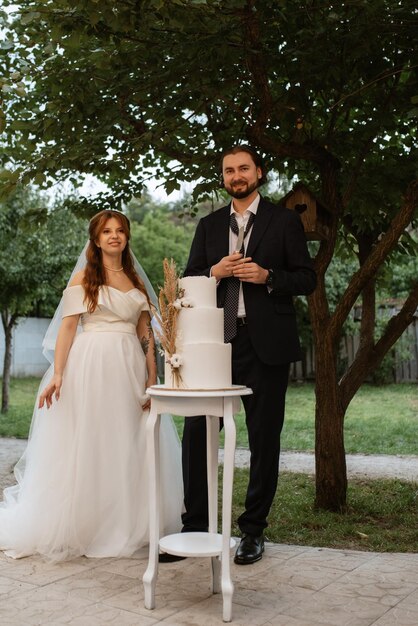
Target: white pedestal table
{"type": "Point", "coordinates": [214, 404]}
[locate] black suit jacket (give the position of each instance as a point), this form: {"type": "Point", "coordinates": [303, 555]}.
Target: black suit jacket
{"type": "Point", "coordinates": [277, 242]}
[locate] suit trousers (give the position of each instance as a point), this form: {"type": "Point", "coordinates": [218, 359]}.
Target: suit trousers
{"type": "Point", "coordinates": [264, 411]}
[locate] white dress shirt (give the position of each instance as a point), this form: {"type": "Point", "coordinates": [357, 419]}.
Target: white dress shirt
{"type": "Point", "coordinates": [242, 220]}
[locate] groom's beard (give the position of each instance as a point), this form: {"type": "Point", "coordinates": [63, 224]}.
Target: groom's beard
{"type": "Point", "coordinates": [241, 189]}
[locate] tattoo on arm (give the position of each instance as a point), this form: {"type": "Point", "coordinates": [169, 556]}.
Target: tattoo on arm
{"type": "Point", "coordinates": [145, 344]}
{"type": "Point", "coordinates": [151, 336]}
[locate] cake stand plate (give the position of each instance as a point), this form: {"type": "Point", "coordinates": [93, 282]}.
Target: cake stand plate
{"type": "Point", "coordinates": [194, 544]}
{"type": "Point", "coordinates": [188, 389]}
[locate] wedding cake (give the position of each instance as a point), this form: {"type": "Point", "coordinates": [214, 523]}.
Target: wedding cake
{"type": "Point", "coordinates": [201, 360]}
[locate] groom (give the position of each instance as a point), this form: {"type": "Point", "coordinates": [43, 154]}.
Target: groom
{"type": "Point", "coordinates": [256, 288]}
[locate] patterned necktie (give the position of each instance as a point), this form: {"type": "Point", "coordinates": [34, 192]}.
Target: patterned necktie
{"type": "Point", "coordinates": [232, 287]}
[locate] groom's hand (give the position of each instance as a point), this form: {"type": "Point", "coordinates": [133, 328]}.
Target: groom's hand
{"type": "Point", "coordinates": [226, 265]}
{"type": "Point", "coordinates": [249, 272]}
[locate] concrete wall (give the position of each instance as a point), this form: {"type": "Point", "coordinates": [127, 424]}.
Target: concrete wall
{"type": "Point", "coordinates": [27, 357]}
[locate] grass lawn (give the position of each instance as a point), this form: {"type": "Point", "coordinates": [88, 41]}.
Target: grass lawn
{"type": "Point", "coordinates": [381, 515]}
{"type": "Point", "coordinates": [16, 422]}
{"type": "Point", "coordinates": [379, 420]}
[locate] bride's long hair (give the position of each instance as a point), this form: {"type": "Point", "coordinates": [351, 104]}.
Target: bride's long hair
{"type": "Point", "coordinates": [94, 273]}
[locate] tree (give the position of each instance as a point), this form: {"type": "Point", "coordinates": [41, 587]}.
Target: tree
{"type": "Point", "coordinates": [158, 236]}
{"type": "Point", "coordinates": [325, 90]}
{"type": "Point", "coordinates": [38, 248]}
{"type": "Point", "coordinates": [160, 230]}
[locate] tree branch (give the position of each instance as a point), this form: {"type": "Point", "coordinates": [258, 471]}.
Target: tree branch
{"type": "Point", "coordinates": [368, 295]}
{"type": "Point", "coordinates": [383, 76]}
{"type": "Point", "coordinates": [377, 256]}
{"type": "Point", "coordinates": [305, 151]}
{"type": "Point", "coordinates": [257, 65]}
{"type": "Point", "coordinates": [369, 357]}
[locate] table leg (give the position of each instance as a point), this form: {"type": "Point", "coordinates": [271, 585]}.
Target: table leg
{"type": "Point", "coordinates": [149, 578]}
{"type": "Point", "coordinates": [228, 480]}
{"type": "Point", "coordinates": [212, 436]}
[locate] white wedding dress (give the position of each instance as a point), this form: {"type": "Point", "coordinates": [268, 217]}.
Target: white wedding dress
{"type": "Point", "coordinates": [82, 481]}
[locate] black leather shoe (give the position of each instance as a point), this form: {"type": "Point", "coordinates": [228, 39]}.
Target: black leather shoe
{"type": "Point", "coordinates": [165, 557]}
{"type": "Point", "coordinates": [249, 550]}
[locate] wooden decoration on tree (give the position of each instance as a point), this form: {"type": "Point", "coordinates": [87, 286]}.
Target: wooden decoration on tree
{"type": "Point", "coordinates": [314, 214]}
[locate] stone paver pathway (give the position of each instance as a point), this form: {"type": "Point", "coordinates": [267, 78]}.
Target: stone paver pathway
{"type": "Point", "coordinates": [290, 586]}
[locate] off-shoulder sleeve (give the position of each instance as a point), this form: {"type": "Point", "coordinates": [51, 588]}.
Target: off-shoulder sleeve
{"type": "Point", "coordinates": [73, 301]}
{"type": "Point", "coordinates": [145, 307]}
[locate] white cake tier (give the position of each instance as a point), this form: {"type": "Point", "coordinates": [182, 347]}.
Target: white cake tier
{"type": "Point", "coordinates": [199, 325]}
{"type": "Point", "coordinates": [201, 290]}
{"type": "Point", "coordinates": [204, 366]}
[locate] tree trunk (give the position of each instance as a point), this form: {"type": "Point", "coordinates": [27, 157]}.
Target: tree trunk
{"type": "Point", "coordinates": [8, 324]}
{"type": "Point", "coordinates": [330, 465]}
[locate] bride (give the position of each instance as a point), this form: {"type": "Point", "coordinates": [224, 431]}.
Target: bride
{"type": "Point", "coordinates": [82, 481]}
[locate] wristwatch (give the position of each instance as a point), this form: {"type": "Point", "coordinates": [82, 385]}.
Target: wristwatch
{"type": "Point", "coordinates": [269, 281]}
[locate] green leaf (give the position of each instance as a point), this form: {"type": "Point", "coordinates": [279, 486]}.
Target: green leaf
{"type": "Point", "coordinates": [6, 189]}
{"type": "Point", "coordinates": [171, 185]}
{"type": "Point", "coordinates": [40, 178]}
{"type": "Point", "coordinates": [413, 113]}
{"type": "Point", "coordinates": [49, 49]}
{"type": "Point", "coordinates": [20, 125]}
{"type": "Point", "coordinates": [8, 175]}
{"type": "Point", "coordinates": [27, 18]}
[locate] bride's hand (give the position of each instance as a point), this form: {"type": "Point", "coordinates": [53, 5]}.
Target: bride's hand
{"type": "Point", "coordinates": [54, 388]}
{"type": "Point", "coordinates": [151, 380]}
{"type": "Point", "coordinates": [147, 403]}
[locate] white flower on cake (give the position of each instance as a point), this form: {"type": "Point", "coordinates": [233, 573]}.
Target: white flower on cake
{"type": "Point", "coordinates": [175, 361]}
{"type": "Point", "coordinates": [187, 303]}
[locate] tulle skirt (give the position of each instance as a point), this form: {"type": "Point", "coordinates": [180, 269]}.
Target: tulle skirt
{"type": "Point", "coordinates": [82, 482]}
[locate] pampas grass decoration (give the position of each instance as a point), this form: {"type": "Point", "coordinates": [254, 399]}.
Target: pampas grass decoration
{"type": "Point", "coordinates": [167, 318]}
